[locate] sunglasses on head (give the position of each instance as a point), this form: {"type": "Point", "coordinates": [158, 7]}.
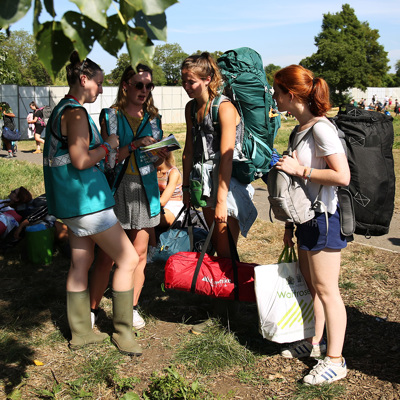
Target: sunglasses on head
{"type": "Point", "coordinates": [141, 85]}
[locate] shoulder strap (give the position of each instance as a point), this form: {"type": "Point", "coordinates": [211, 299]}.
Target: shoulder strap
{"type": "Point", "coordinates": [215, 109]}
{"type": "Point", "coordinates": [110, 116]}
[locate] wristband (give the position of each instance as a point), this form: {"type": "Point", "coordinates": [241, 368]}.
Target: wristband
{"type": "Point", "coordinates": [309, 175]}
{"type": "Point", "coordinates": [132, 147]}
{"type": "Point", "coordinates": [106, 149]}
{"type": "Point", "coordinates": [108, 146]}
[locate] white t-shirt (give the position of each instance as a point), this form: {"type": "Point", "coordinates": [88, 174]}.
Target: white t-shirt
{"type": "Point", "coordinates": [323, 141]}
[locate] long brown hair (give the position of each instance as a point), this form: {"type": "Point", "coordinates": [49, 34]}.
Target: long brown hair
{"type": "Point", "coordinates": [203, 65]}
{"type": "Point", "coordinates": [306, 88]}
{"type": "Point", "coordinates": [121, 100]}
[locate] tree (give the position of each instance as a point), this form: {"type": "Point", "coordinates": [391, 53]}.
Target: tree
{"type": "Point", "coordinates": [123, 61]}
{"type": "Point", "coordinates": [348, 54]}
{"type": "Point", "coordinates": [215, 54]}
{"type": "Point", "coordinates": [136, 24]}
{"type": "Point", "coordinates": [397, 74]}
{"type": "Point", "coordinates": [270, 70]}
{"type": "Point", "coordinates": [169, 57]}
{"type": "Point", "coordinates": [6, 74]}
{"type": "Point", "coordinates": [23, 60]}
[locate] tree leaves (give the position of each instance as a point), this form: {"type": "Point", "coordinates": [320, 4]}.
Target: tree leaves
{"type": "Point", "coordinates": [81, 30]}
{"type": "Point", "coordinates": [94, 9]}
{"type": "Point", "coordinates": [12, 11]}
{"type": "Point", "coordinates": [53, 47]}
{"type": "Point", "coordinates": [136, 23]}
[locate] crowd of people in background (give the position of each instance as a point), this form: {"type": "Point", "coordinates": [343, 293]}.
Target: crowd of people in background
{"type": "Point", "coordinates": [385, 106]}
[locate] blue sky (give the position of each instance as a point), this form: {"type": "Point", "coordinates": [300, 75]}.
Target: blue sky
{"type": "Point", "coordinates": [281, 31]}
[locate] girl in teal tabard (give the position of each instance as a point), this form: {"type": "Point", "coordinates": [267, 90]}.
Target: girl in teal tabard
{"type": "Point", "coordinates": [136, 121]}
{"type": "Point", "coordinates": [78, 193]}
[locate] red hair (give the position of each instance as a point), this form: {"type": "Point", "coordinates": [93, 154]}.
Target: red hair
{"type": "Point", "coordinates": [300, 82]}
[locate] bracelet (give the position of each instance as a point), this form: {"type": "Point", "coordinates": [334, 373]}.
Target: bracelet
{"type": "Point", "coordinates": [309, 175]}
{"type": "Point", "coordinates": [106, 149]}
{"type": "Point", "coordinates": [305, 173]}
{"type": "Point", "coordinates": [132, 147]}
{"type": "Point", "coordinates": [107, 145]}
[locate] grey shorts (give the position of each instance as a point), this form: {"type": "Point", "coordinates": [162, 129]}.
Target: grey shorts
{"type": "Point", "coordinates": [90, 224]}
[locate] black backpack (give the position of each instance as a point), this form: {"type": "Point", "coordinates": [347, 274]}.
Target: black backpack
{"type": "Point", "coordinates": [369, 140]}
{"type": "Point", "coordinates": [46, 110]}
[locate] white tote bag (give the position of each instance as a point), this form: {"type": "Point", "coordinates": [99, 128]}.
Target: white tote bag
{"type": "Point", "coordinates": [284, 302]}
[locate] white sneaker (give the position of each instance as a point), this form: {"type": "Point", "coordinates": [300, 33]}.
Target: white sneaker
{"type": "Point", "coordinates": [326, 371]}
{"type": "Point", "coordinates": [138, 321]}
{"type": "Point", "coordinates": [304, 349]}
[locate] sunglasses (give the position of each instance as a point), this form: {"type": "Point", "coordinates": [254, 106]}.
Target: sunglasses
{"type": "Point", "coordinates": [141, 85]}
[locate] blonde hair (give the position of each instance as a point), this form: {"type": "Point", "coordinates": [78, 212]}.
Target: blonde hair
{"type": "Point", "coordinates": [204, 66]}
{"type": "Point", "coordinates": [122, 101]}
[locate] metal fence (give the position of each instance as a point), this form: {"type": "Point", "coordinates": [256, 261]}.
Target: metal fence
{"type": "Point", "coordinates": [170, 100]}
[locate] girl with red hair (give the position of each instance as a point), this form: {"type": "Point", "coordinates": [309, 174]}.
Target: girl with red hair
{"type": "Point", "coordinates": [320, 160]}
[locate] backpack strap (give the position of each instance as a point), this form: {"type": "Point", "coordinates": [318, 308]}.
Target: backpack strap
{"type": "Point", "coordinates": [214, 111]}
{"type": "Point", "coordinates": [196, 124]}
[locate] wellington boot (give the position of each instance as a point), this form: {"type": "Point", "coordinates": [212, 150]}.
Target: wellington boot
{"type": "Point", "coordinates": [78, 310]}
{"type": "Point", "coordinates": [123, 337]}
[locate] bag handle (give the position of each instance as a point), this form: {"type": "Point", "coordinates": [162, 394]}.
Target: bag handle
{"type": "Point", "coordinates": [234, 258]}
{"type": "Point", "coordinates": [288, 255]}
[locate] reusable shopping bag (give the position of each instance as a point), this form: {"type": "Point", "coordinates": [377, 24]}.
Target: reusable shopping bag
{"type": "Point", "coordinates": [284, 302]}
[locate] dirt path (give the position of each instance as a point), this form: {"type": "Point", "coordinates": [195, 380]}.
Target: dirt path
{"type": "Point", "coordinates": [391, 241]}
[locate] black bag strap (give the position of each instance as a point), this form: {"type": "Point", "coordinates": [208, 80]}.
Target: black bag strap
{"type": "Point", "coordinates": [187, 220]}
{"type": "Point", "coordinates": [234, 258]}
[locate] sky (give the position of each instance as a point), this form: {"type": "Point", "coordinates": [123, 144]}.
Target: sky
{"type": "Point", "coordinates": [282, 32]}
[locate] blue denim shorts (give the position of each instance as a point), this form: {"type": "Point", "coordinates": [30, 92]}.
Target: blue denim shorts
{"type": "Point", "coordinates": [239, 204]}
{"type": "Point", "coordinates": [315, 235]}
{"type": "Point", "coordinates": [90, 224]}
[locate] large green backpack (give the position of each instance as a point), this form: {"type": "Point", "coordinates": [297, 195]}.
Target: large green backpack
{"type": "Point", "coordinates": [246, 84]}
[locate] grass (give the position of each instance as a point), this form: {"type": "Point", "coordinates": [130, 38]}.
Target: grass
{"type": "Point", "coordinates": [220, 364]}
{"type": "Point", "coordinates": [322, 392]}
{"type": "Point", "coordinates": [214, 350]}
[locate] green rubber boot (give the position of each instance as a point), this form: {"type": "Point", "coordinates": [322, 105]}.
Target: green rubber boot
{"type": "Point", "coordinates": [78, 311]}
{"type": "Point", "coordinates": [123, 337]}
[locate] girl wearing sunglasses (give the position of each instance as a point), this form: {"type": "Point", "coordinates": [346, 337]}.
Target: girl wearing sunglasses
{"type": "Point", "coordinates": [137, 197]}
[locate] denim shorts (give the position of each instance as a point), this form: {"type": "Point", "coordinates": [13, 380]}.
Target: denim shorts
{"type": "Point", "coordinates": [90, 224]}
{"type": "Point", "coordinates": [315, 235]}
{"type": "Point", "coordinates": [239, 204]}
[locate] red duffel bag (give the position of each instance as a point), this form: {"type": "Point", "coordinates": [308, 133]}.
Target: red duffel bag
{"type": "Point", "coordinates": [212, 276]}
